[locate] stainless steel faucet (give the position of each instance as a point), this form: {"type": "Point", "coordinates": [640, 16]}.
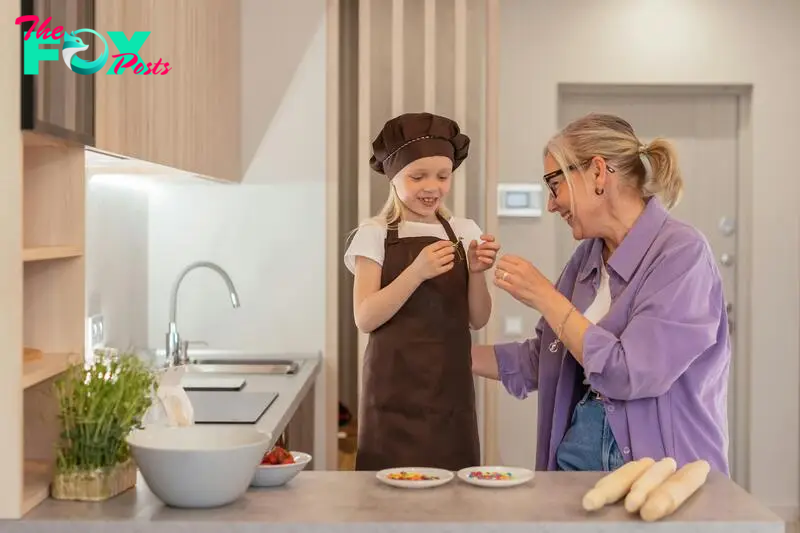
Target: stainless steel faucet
{"type": "Point", "coordinates": [176, 351]}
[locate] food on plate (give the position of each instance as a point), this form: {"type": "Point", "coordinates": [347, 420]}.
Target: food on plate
{"type": "Point", "coordinates": [411, 476]}
{"type": "Point", "coordinates": [614, 486]}
{"type": "Point", "coordinates": [651, 479]}
{"type": "Point", "coordinates": [671, 494]}
{"type": "Point", "coordinates": [277, 456]}
{"type": "Point", "coordinates": [491, 476]}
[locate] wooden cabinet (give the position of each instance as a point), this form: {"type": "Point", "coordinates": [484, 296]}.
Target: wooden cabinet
{"type": "Point", "coordinates": [189, 117]}
{"type": "Point", "coordinates": [57, 101]}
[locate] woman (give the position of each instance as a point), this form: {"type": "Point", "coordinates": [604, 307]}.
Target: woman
{"type": "Point", "coordinates": [631, 355]}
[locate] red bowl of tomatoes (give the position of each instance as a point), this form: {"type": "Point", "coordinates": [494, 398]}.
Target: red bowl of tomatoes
{"type": "Point", "coordinates": [278, 467]}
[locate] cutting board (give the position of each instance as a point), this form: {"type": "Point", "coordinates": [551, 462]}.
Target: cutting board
{"type": "Point", "coordinates": [229, 407]}
{"type": "Point", "coordinates": [31, 354]}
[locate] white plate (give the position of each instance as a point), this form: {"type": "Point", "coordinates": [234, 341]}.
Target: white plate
{"type": "Point", "coordinates": [443, 476]}
{"type": "Point", "coordinates": [518, 476]}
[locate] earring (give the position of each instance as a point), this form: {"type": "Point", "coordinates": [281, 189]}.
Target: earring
{"type": "Point", "coordinates": [598, 191]}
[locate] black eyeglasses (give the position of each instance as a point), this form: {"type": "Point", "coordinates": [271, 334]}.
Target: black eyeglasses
{"type": "Point", "coordinates": [550, 177]}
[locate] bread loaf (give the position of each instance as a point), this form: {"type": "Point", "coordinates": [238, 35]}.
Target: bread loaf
{"type": "Point", "coordinates": [613, 486]}
{"type": "Point", "coordinates": [655, 475]}
{"type": "Point", "coordinates": [667, 497]}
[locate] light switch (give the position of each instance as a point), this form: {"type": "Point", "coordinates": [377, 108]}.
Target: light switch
{"type": "Point", "coordinates": [513, 325]}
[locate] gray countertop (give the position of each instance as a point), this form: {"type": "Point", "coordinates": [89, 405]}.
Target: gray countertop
{"type": "Point", "coordinates": [334, 502]}
{"type": "Point", "coordinates": [291, 389]}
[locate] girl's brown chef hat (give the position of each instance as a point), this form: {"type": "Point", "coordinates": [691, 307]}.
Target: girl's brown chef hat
{"type": "Point", "coordinates": [412, 136]}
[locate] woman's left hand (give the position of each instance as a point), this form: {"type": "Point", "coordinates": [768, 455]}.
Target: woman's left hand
{"type": "Point", "coordinates": [522, 280]}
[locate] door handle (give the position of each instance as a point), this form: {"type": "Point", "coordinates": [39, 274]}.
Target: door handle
{"type": "Point", "coordinates": [726, 259]}
{"type": "Point", "coordinates": [729, 312]}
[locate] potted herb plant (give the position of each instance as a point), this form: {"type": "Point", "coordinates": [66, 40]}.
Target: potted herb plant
{"type": "Point", "coordinates": [99, 404]}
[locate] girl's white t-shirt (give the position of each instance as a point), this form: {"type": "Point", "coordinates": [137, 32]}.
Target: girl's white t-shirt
{"type": "Point", "coordinates": [369, 240]}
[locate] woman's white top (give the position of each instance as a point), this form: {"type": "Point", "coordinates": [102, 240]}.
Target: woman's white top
{"type": "Point", "coordinates": [602, 300]}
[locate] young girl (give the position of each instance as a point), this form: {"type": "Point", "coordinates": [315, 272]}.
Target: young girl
{"type": "Point", "coordinates": [419, 287]}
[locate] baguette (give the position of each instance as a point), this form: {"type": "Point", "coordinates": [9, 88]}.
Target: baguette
{"type": "Point", "coordinates": [644, 485]}
{"type": "Point", "coordinates": [613, 486]}
{"type": "Point", "coordinates": [671, 494]}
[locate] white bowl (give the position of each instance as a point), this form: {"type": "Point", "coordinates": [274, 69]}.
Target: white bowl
{"type": "Point", "coordinates": [277, 475]}
{"type": "Point", "coordinates": [198, 466]}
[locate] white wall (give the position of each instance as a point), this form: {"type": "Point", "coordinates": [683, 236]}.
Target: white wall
{"type": "Point", "coordinates": [677, 42]}
{"type": "Point", "coordinates": [292, 144]}
{"type": "Point", "coordinates": [258, 235]}
{"type": "Point", "coordinates": [275, 46]}
{"type": "Point", "coordinates": [117, 257]}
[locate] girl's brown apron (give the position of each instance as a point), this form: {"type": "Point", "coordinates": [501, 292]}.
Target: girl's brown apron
{"type": "Point", "coordinates": [418, 398]}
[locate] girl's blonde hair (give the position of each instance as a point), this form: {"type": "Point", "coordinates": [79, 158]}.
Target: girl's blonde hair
{"type": "Point", "coordinates": [650, 169]}
{"type": "Point", "coordinates": [393, 213]}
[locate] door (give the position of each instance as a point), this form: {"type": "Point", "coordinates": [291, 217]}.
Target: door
{"type": "Point", "coordinates": [705, 131]}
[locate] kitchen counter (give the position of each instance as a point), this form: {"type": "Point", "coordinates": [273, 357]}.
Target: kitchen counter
{"type": "Point", "coordinates": [345, 502]}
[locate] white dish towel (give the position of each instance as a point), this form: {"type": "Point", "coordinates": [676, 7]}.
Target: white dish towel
{"type": "Point", "coordinates": [175, 403]}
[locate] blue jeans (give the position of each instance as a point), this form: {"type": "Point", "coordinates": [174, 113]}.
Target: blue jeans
{"type": "Point", "coordinates": [589, 444]}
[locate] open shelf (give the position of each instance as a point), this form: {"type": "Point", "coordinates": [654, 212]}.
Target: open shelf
{"type": "Point", "coordinates": [36, 484]}
{"type": "Point", "coordinates": [50, 365]}
{"type": "Point", "coordinates": [44, 253]}
{"type": "Point", "coordinates": [53, 291]}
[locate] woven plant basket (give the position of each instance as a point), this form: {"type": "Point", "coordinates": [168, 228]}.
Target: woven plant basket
{"type": "Point", "coordinates": [94, 485]}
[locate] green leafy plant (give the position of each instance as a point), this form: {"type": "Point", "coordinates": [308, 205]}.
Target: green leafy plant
{"type": "Point", "coordinates": [99, 405]}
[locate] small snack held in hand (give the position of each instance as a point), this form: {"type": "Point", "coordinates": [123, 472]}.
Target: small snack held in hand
{"type": "Point", "coordinates": [277, 456]}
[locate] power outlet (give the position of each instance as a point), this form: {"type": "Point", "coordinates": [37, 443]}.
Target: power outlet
{"type": "Point", "coordinates": [96, 332]}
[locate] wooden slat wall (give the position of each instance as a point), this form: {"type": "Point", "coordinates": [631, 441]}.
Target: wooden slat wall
{"type": "Point", "coordinates": [492, 171]}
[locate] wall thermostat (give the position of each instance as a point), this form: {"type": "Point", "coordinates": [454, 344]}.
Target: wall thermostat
{"type": "Point", "coordinates": [519, 200]}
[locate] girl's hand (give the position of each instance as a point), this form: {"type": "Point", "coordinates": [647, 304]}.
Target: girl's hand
{"type": "Point", "coordinates": [523, 281]}
{"type": "Point", "coordinates": [433, 260]}
{"type": "Point", "coordinates": [481, 256]}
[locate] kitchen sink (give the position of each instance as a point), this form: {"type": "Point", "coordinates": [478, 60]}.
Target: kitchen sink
{"type": "Point", "coordinates": [243, 366]}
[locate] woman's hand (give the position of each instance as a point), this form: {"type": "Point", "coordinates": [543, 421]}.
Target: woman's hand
{"type": "Point", "coordinates": [482, 256]}
{"type": "Point", "coordinates": [523, 281]}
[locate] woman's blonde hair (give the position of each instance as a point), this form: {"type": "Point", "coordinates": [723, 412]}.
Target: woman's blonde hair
{"type": "Point", "coordinates": [650, 169]}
